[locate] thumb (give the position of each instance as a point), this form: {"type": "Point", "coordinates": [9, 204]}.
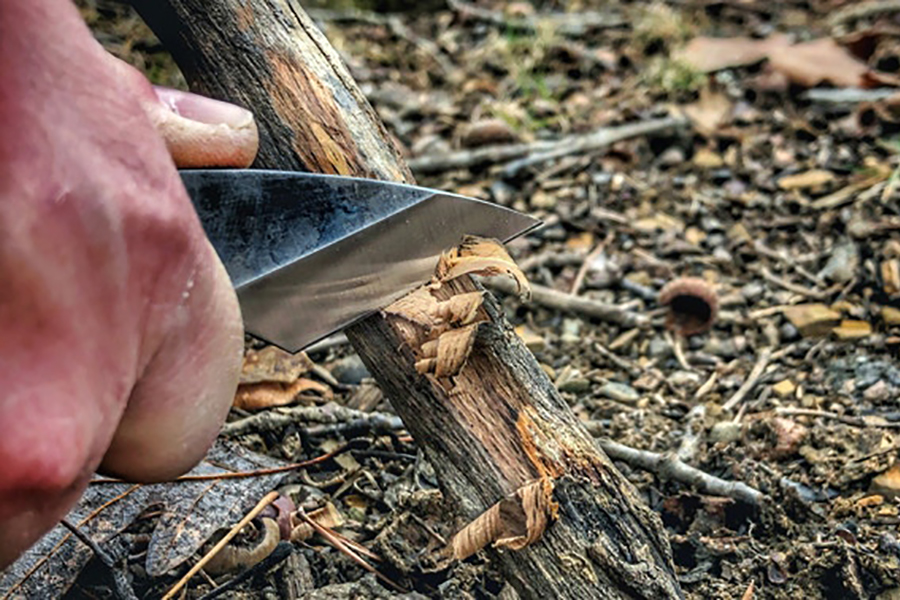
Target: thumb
{"type": "Point", "coordinates": [202, 132]}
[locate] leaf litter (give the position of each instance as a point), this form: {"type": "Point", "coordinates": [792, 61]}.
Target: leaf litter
{"type": "Point", "coordinates": [769, 171]}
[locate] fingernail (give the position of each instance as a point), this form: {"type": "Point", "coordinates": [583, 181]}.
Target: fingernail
{"type": "Point", "coordinates": [203, 109]}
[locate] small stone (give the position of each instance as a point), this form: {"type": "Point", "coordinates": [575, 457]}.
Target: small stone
{"type": "Point", "coordinates": [705, 158]}
{"type": "Point", "coordinates": [659, 348]}
{"type": "Point", "coordinates": [739, 233]}
{"type": "Point", "coordinates": [784, 389]}
{"type": "Point", "coordinates": [694, 236]}
{"type": "Point", "coordinates": [878, 392]}
{"type": "Point", "coordinates": [788, 332]}
{"type": "Point", "coordinates": [533, 341]}
{"type": "Point", "coordinates": [619, 392]}
{"type": "Point", "coordinates": [843, 263]}
{"type": "Point", "coordinates": [571, 331]}
{"type": "Point", "coordinates": [852, 330]}
{"type": "Point", "coordinates": [683, 378]}
{"type": "Point", "coordinates": [890, 315]}
{"type": "Point", "coordinates": [350, 370]}
{"type": "Point", "coordinates": [812, 320]}
{"type": "Point", "coordinates": [541, 200]}
{"type": "Point", "coordinates": [725, 432]}
{"type": "Point", "coordinates": [576, 385]}
{"type": "Point", "coordinates": [753, 291]}
{"type": "Point", "coordinates": [487, 132]}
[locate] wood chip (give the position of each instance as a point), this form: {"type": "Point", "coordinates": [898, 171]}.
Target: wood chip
{"type": "Point", "coordinates": [515, 522]}
{"type": "Point", "coordinates": [852, 330]}
{"type": "Point", "coordinates": [812, 320]}
{"type": "Point", "coordinates": [814, 179]}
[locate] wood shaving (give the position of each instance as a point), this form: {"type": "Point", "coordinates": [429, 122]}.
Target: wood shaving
{"type": "Point", "coordinates": [272, 364]}
{"type": "Point", "coordinates": [446, 355]}
{"type": "Point", "coordinates": [515, 522]}
{"type": "Point", "coordinates": [480, 256]}
{"type": "Point", "coordinates": [232, 558]}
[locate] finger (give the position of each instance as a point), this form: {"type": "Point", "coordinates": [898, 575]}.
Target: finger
{"type": "Point", "coordinates": [202, 132]}
{"type": "Point", "coordinates": [185, 391]}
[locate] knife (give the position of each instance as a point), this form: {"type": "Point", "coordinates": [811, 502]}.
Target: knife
{"type": "Point", "coordinates": [309, 254]}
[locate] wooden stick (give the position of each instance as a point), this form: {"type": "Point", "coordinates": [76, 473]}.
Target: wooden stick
{"type": "Point", "coordinates": [499, 422]}
{"type": "Point", "coordinates": [267, 500]}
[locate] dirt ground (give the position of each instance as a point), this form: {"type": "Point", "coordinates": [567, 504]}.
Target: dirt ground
{"type": "Point", "coordinates": [767, 167]}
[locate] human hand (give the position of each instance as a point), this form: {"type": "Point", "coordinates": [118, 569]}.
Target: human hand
{"type": "Point", "coordinates": [120, 333]}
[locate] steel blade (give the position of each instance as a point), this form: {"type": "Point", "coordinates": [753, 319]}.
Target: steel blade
{"type": "Point", "coordinates": [309, 254]}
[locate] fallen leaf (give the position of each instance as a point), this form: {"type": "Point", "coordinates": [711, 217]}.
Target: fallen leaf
{"type": "Point", "coordinates": [812, 319]}
{"type": "Point", "coordinates": [709, 112]}
{"type": "Point", "coordinates": [812, 63]}
{"type": "Point", "coordinates": [256, 396]}
{"type": "Point", "coordinates": [887, 484]}
{"type": "Point", "coordinates": [192, 512]}
{"type": "Point", "coordinates": [709, 54]}
{"type": "Point", "coordinates": [234, 557]}
{"type": "Point", "coordinates": [272, 364]}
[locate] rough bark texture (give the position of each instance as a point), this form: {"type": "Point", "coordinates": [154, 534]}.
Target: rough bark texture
{"type": "Point", "coordinates": [498, 423]}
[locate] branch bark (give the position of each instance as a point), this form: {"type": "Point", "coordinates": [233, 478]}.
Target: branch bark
{"type": "Point", "coordinates": [497, 424]}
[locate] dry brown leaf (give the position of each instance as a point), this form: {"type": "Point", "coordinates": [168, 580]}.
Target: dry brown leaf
{"type": "Point", "coordinates": [446, 355]}
{"type": "Point", "coordinates": [788, 436]}
{"type": "Point", "coordinates": [708, 54]}
{"type": "Point", "coordinates": [256, 396]}
{"type": "Point", "coordinates": [480, 256]}
{"type": "Point", "coordinates": [515, 522]}
{"type": "Point", "coordinates": [272, 364]}
{"type": "Point", "coordinates": [809, 64]}
{"type": "Point", "coordinates": [328, 516]}
{"type": "Point", "coordinates": [709, 112]}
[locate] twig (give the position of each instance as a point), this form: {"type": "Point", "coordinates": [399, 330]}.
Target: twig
{"type": "Point", "coordinates": [537, 152]}
{"type": "Point", "coordinates": [854, 421]}
{"type": "Point", "coordinates": [707, 386]}
{"type": "Point", "coordinates": [762, 362]}
{"type": "Point", "coordinates": [847, 96]}
{"type": "Point", "coordinates": [630, 366]}
{"type": "Point", "coordinates": [330, 413]}
{"type": "Point", "coordinates": [668, 466]}
{"type": "Point", "coordinates": [676, 342]}
{"type": "Point", "coordinates": [568, 24]}
{"type": "Point", "coordinates": [332, 539]}
{"type": "Point", "coordinates": [396, 26]}
{"type": "Point", "coordinates": [766, 274]}
{"type": "Point", "coordinates": [554, 299]}
{"type": "Point", "coordinates": [594, 141]}
{"type": "Point", "coordinates": [122, 588]}
{"type": "Point", "coordinates": [863, 10]}
{"type": "Point", "coordinates": [267, 500]}
{"type": "Point", "coordinates": [587, 263]}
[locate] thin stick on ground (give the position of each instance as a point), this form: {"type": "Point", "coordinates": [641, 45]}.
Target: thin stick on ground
{"type": "Point", "coordinates": [538, 152]}
{"type": "Point", "coordinates": [669, 466]}
{"type": "Point", "coordinates": [267, 500]}
{"type": "Point", "coordinates": [587, 262]}
{"type": "Point", "coordinates": [762, 362]}
{"type": "Point", "coordinates": [339, 544]}
{"type": "Point", "coordinates": [121, 587]}
{"type": "Point", "coordinates": [825, 414]}
{"type": "Point", "coordinates": [557, 300]}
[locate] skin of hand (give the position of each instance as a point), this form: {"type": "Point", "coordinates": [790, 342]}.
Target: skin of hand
{"type": "Point", "coordinates": [120, 333]}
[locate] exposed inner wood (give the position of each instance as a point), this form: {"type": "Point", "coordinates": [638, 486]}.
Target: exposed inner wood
{"type": "Point", "coordinates": [491, 423]}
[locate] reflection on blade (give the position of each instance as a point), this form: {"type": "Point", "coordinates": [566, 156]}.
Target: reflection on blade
{"type": "Point", "coordinates": [310, 254]}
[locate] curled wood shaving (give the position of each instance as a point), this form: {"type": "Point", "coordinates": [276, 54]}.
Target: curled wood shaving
{"type": "Point", "coordinates": [328, 516]}
{"type": "Point", "coordinates": [480, 256]}
{"type": "Point", "coordinates": [515, 522]}
{"type": "Point", "coordinates": [446, 355]}
{"type": "Point", "coordinates": [232, 558]}
{"type": "Point", "coordinates": [256, 396]}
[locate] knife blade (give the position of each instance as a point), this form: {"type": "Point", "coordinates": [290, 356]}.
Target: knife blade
{"type": "Point", "coordinates": [309, 254]}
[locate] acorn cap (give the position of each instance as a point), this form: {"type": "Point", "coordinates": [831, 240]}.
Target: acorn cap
{"type": "Point", "coordinates": [693, 305]}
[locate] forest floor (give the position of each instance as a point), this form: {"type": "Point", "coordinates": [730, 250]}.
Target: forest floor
{"type": "Point", "coordinates": [764, 162]}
